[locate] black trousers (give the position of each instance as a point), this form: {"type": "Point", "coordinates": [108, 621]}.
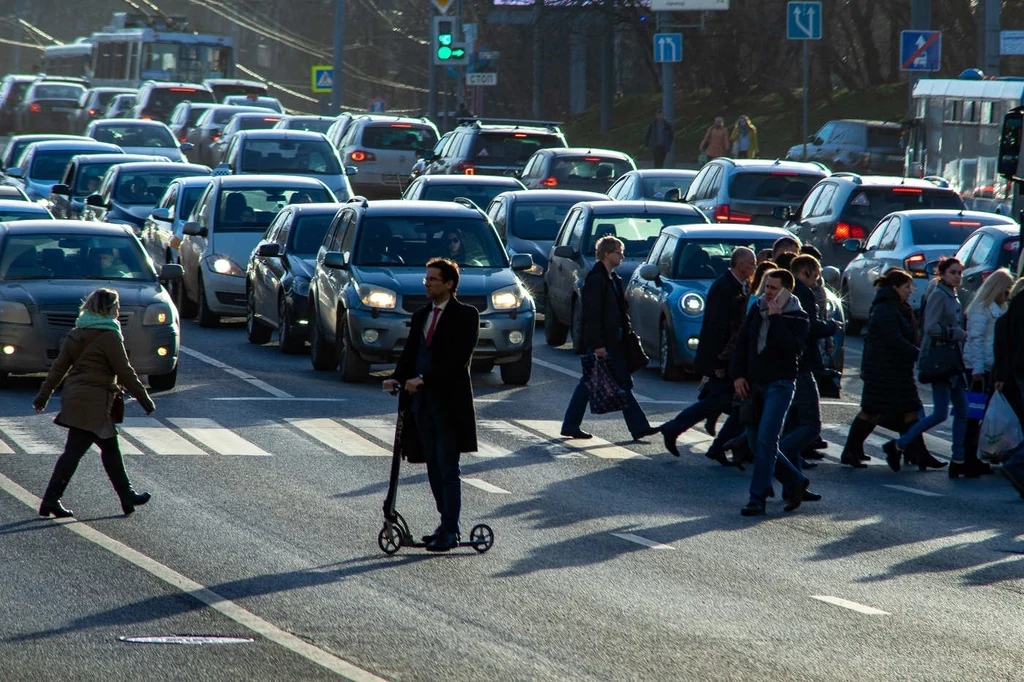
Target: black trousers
{"type": "Point", "coordinates": [659, 154]}
{"type": "Point", "coordinates": [441, 454]}
{"type": "Point", "coordinates": [79, 440]}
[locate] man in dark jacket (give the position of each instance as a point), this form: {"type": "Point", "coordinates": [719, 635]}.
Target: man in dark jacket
{"type": "Point", "coordinates": [724, 311]}
{"type": "Point", "coordinates": [659, 138]}
{"type": "Point", "coordinates": [605, 319]}
{"type": "Point", "coordinates": [765, 366]}
{"type": "Point", "coordinates": [434, 371]}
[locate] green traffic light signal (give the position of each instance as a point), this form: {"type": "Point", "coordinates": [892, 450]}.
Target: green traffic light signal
{"type": "Point", "coordinates": [444, 53]}
{"type": "Point", "coordinates": [445, 39]}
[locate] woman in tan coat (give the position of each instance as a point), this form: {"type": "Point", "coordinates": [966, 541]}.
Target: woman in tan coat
{"type": "Point", "coordinates": [92, 362]}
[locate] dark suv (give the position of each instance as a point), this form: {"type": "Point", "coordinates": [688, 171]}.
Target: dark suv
{"type": "Point", "coordinates": [855, 145]}
{"type": "Point", "coordinates": [492, 147]}
{"type": "Point", "coordinates": [156, 101]}
{"type": "Point", "coordinates": [751, 190]}
{"type": "Point", "coordinates": [848, 206]}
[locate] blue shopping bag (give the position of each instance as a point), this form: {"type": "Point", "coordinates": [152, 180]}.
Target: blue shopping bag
{"type": "Point", "coordinates": [976, 403]}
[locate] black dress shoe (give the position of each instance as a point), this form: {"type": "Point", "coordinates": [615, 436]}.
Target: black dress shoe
{"type": "Point", "coordinates": [711, 426]}
{"type": "Point", "coordinates": [819, 444]}
{"type": "Point", "coordinates": [795, 496]}
{"type": "Point", "coordinates": [133, 500]}
{"type": "Point", "coordinates": [55, 509]}
{"type": "Point", "coordinates": [444, 542]}
{"type": "Point", "coordinates": [430, 538]}
{"type": "Point", "coordinates": [649, 431]}
{"type": "Point", "coordinates": [808, 496]}
{"type": "Point", "coordinates": [808, 465]}
{"type": "Point", "coordinates": [670, 442]}
{"type": "Point", "coordinates": [811, 453]}
{"type": "Point", "coordinates": [753, 509]}
{"type": "Point", "coordinates": [576, 433]}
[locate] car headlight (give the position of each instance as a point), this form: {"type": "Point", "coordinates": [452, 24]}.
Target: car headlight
{"type": "Point", "coordinates": [377, 297]}
{"type": "Point", "coordinates": [157, 314]}
{"type": "Point", "coordinates": [12, 312]}
{"type": "Point", "coordinates": [692, 304]}
{"type": "Point", "coordinates": [223, 265]}
{"type": "Point", "coordinates": [300, 286]}
{"type": "Point", "coordinates": [507, 298]}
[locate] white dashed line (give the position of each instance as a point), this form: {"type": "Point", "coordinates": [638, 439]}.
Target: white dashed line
{"type": "Point", "coordinates": [485, 486]}
{"type": "Point", "coordinates": [916, 491]}
{"type": "Point", "coordinates": [244, 376]}
{"type": "Point", "coordinates": [642, 541]}
{"type": "Point", "coordinates": [852, 605]}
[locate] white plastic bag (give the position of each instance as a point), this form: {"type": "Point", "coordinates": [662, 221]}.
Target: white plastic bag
{"type": "Point", "coordinates": [1000, 429]}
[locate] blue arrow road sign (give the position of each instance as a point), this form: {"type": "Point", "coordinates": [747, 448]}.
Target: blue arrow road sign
{"type": "Point", "coordinates": [803, 20]}
{"type": "Point", "coordinates": [920, 50]}
{"type": "Point", "coordinates": [668, 47]}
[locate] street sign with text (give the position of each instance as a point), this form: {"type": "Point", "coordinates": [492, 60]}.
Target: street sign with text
{"type": "Point", "coordinates": [482, 78]}
{"type": "Point", "coordinates": [688, 5]}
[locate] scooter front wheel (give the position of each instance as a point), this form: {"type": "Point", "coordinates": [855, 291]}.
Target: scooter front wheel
{"type": "Point", "coordinates": [389, 539]}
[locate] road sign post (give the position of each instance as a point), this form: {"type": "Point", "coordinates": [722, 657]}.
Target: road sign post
{"type": "Point", "coordinates": [803, 22]}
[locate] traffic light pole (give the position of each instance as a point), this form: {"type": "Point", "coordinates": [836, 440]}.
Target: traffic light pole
{"type": "Point", "coordinates": [432, 74]}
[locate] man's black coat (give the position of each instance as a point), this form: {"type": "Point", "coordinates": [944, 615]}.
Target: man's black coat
{"type": "Point", "coordinates": [724, 312]}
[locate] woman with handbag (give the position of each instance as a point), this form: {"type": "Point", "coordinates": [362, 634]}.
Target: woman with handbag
{"type": "Point", "coordinates": [92, 363]}
{"type": "Point", "coordinates": [941, 365]}
{"type": "Point", "coordinates": [988, 305]}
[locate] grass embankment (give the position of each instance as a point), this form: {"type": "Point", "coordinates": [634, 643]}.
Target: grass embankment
{"type": "Point", "coordinates": [779, 119]}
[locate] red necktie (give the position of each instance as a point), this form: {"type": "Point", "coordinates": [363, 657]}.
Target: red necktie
{"type": "Point", "coordinates": [433, 323]}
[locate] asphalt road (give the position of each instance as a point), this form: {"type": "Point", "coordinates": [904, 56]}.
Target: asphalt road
{"type": "Point", "coordinates": [613, 560]}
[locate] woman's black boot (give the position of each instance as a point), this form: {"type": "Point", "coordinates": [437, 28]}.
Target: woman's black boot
{"type": "Point", "coordinates": [853, 451]}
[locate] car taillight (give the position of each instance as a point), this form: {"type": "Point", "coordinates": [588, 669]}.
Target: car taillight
{"type": "Point", "coordinates": [34, 107]}
{"type": "Point", "coordinates": [549, 182]}
{"type": "Point", "coordinates": [214, 136]}
{"type": "Point", "coordinates": [359, 155]}
{"type": "Point", "coordinates": [465, 168]}
{"type": "Point", "coordinates": [915, 265]}
{"type": "Point", "coordinates": [724, 215]}
{"type": "Point", "coordinates": [93, 112]}
{"type": "Point", "coordinates": [847, 231]}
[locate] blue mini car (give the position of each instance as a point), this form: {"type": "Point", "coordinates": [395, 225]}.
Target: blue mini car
{"type": "Point", "coordinates": [667, 292]}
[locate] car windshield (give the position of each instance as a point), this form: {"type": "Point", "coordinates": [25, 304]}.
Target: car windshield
{"type": "Point", "coordinates": [570, 170]}
{"type": "Point", "coordinates": [772, 186]}
{"type": "Point", "coordinates": [412, 241]}
{"type": "Point", "coordinates": [49, 166]}
{"type": "Point", "coordinates": [128, 135]}
{"type": "Point", "coordinates": [73, 256]}
{"type": "Point", "coordinates": [509, 149]}
{"type": "Point", "coordinates": [251, 209]}
{"type": "Point", "coordinates": [398, 136]}
{"type": "Point", "coordinates": [943, 230]}
{"type": "Point", "coordinates": [869, 205]}
{"type": "Point", "coordinates": [316, 125]}
{"type": "Point", "coordinates": [479, 193]}
{"type": "Point", "coordinates": [709, 258]}
{"type": "Point", "coordinates": [104, 97]}
{"type": "Point", "coordinates": [194, 114]}
{"type": "Point", "coordinates": [307, 234]}
{"type": "Point", "coordinates": [32, 212]}
{"type": "Point", "coordinates": [145, 187]}
{"type": "Point", "coordinates": [290, 156]}
{"type": "Point", "coordinates": [539, 221]}
{"type": "Point", "coordinates": [165, 99]}
{"type": "Point", "coordinates": [63, 91]}
{"type": "Point", "coordinates": [89, 176]}
{"type": "Point", "coordinates": [638, 231]}
{"type": "Point", "coordinates": [655, 188]}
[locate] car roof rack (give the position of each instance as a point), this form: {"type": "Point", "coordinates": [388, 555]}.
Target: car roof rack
{"type": "Point", "coordinates": [516, 122]}
{"type": "Point", "coordinates": [847, 174]}
{"type": "Point", "coordinates": [358, 199]}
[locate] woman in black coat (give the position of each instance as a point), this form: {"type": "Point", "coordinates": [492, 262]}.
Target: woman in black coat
{"type": "Point", "coordinates": [887, 369]}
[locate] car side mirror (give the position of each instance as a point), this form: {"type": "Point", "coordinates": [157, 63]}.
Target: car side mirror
{"type": "Point", "coordinates": [186, 146]}
{"type": "Point", "coordinates": [817, 141]}
{"type": "Point", "coordinates": [565, 251]}
{"type": "Point", "coordinates": [673, 195]}
{"type": "Point", "coordinates": [650, 272]}
{"type": "Point", "coordinates": [170, 271]}
{"type": "Point", "coordinates": [351, 170]}
{"type": "Point", "coordinates": [15, 172]}
{"type": "Point", "coordinates": [854, 245]}
{"type": "Point", "coordinates": [194, 228]}
{"type": "Point", "coordinates": [335, 260]}
{"type": "Point", "coordinates": [61, 189]}
{"type": "Point", "coordinates": [268, 250]}
{"type": "Point", "coordinates": [95, 200]}
{"type": "Point", "coordinates": [522, 261]}
{"type": "Point", "coordinates": [161, 214]}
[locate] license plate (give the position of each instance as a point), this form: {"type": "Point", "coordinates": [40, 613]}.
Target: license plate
{"type": "Point", "coordinates": [61, 110]}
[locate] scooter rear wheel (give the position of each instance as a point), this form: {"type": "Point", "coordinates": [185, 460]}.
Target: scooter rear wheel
{"type": "Point", "coordinates": [481, 537]}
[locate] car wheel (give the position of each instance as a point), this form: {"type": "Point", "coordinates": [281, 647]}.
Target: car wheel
{"type": "Point", "coordinates": [186, 308]}
{"type": "Point", "coordinates": [287, 340]}
{"type": "Point", "coordinates": [257, 331]}
{"type": "Point", "coordinates": [322, 355]}
{"type": "Point", "coordinates": [352, 368]}
{"type": "Point", "coordinates": [555, 332]}
{"type": "Point", "coordinates": [853, 326]}
{"type": "Point", "coordinates": [518, 373]}
{"type": "Point", "coordinates": [207, 318]}
{"type": "Point", "coordinates": [164, 382]}
{"type": "Point", "coordinates": [667, 367]}
{"type": "Point", "coordinates": [577, 328]}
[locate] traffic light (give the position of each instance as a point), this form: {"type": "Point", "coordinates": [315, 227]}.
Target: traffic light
{"type": "Point", "coordinates": [445, 50]}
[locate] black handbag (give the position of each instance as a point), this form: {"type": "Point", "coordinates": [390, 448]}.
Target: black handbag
{"type": "Point", "coordinates": [636, 358]}
{"type": "Point", "coordinates": [117, 407]}
{"type": "Point", "coordinates": [938, 362]}
{"type": "Point", "coordinates": [829, 383]}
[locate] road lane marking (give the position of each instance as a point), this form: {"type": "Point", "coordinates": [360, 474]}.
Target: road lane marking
{"type": "Point", "coordinates": [577, 373]}
{"type": "Point", "coordinates": [337, 437]}
{"type": "Point", "coordinates": [298, 399]}
{"type": "Point", "coordinates": [381, 429]}
{"type": "Point", "coordinates": [593, 446]}
{"type": "Point", "coordinates": [916, 491]}
{"type": "Point", "coordinates": [219, 439]}
{"type": "Point", "coordinates": [5, 449]}
{"type": "Point", "coordinates": [485, 486]}
{"type": "Point", "coordinates": [162, 440]}
{"type": "Point", "coordinates": [642, 541]}
{"type": "Point", "coordinates": [226, 607]}
{"type": "Point", "coordinates": [17, 429]}
{"type": "Point", "coordinates": [852, 605]}
{"type": "Point", "coordinates": [244, 376]}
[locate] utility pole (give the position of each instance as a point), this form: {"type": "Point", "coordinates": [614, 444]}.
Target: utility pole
{"type": "Point", "coordinates": [538, 65]}
{"type": "Point", "coordinates": [607, 65]}
{"type": "Point", "coordinates": [988, 25]}
{"type": "Point", "coordinates": [339, 41]}
{"type": "Point", "coordinates": [920, 20]}
{"type": "Point", "coordinates": [431, 71]}
{"type": "Point", "coordinates": [667, 92]}
{"type": "Point", "coordinates": [460, 79]}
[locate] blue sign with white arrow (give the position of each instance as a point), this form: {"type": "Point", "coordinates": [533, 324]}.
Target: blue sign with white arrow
{"type": "Point", "coordinates": [803, 20]}
{"type": "Point", "coordinates": [920, 50]}
{"type": "Point", "coordinates": [668, 47]}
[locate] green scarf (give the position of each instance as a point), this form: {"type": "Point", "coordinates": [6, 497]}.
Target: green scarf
{"type": "Point", "coordinates": [88, 320]}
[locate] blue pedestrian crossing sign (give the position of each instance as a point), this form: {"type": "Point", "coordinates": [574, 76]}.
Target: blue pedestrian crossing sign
{"type": "Point", "coordinates": [803, 20]}
{"type": "Point", "coordinates": [920, 50]}
{"type": "Point", "coordinates": [323, 78]}
{"type": "Point", "coordinates": [668, 47]}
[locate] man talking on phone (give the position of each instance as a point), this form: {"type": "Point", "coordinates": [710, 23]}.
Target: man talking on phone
{"type": "Point", "coordinates": [434, 371]}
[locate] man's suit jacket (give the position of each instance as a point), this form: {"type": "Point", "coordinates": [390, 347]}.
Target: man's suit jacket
{"type": "Point", "coordinates": [724, 313]}
{"type": "Point", "coordinates": [447, 383]}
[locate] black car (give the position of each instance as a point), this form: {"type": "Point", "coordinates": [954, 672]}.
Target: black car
{"type": "Point", "coordinates": [208, 129]}
{"type": "Point", "coordinates": [985, 251]}
{"type": "Point", "coordinates": [82, 178]}
{"type": "Point", "coordinates": [528, 221]}
{"type": "Point", "coordinates": [12, 92]}
{"type": "Point", "coordinates": [479, 189]}
{"type": "Point", "coordinates": [130, 191]}
{"type": "Point", "coordinates": [49, 106]}
{"type": "Point", "coordinates": [637, 223]}
{"type": "Point", "coordinates": [590, 170]}
{"type": "Point", "coordinates": [156, 100]}
{"type": "Point", "coordinates": [492, 147]}
{"type": "Point", "coordinates": [855, 145]}
{"type": "Point", "coordinates": [94, 103]}
{"type": "Point", "coordinates": [185, 116]}
{"type": "Point", "coordinates": [278, 275]}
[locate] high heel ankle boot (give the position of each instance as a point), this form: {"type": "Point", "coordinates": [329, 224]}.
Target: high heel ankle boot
{"type": "Point", "coordinates": [853, 451]}
{"type": "Point", "coordinates": [132, 500]}
{"type": "Point", "coordinates": [925, 460]}
{"type": "Point", "coordinates": [55, 509]}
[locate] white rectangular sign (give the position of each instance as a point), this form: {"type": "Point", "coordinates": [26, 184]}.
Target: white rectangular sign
{"type": "Point", "coordinates": [688, 5]}
{"type": "Point", "coordinates": [1011, 42]}
{"type": "Point", "coordinates": [482, 78]}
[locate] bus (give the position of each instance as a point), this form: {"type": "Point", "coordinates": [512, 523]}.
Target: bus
{"type": "Point", "coordinates": [954, 135]}
{"type": "Point", "coordinates": [136, 48]}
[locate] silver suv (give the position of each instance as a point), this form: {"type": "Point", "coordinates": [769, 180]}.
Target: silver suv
{"type": "Point", "coordinates": [384, 148]}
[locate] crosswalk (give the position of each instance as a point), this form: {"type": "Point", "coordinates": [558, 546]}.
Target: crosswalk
{"type": "Point", "coordinates": [371, 437]}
